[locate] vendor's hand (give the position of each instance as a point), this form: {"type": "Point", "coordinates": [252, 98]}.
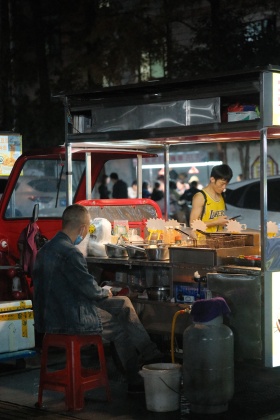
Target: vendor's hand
{"type": "Point", "coordinates": [222, 221]}
{"type": "Point", "coordinates": [110, 294]}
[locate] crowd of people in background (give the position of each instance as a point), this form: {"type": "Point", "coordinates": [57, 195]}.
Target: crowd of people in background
{"type": "Point", "coordinates": [181, 192]}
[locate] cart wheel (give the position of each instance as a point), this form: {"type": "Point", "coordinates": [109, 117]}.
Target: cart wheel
{"type": "Point", "coordinates": [20, 364]}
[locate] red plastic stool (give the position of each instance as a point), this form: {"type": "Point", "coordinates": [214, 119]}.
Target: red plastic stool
{"type": "Point", "coordinates": [74, 379]}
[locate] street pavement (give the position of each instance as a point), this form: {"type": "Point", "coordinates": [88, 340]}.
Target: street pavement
{"type": "Point", "coordinates": [256, 396]}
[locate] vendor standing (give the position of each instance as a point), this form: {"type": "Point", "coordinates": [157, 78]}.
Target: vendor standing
{"type": "Point", "coordinates": [209, 205]}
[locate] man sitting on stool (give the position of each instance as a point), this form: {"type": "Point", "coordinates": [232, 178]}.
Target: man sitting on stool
{"type": "Point", "coordinates": [68, 300]}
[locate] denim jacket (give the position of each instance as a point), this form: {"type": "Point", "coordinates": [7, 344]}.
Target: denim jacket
{"type": "Point", "coordinates": [64, 291]}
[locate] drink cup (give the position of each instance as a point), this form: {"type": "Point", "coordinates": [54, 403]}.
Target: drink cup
{"type": "Point", "coordinates": [114, 239]}
{"type": "Point", "coordinates": [271, 234]}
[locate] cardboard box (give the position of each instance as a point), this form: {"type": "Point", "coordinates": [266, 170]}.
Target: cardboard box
{"type": "Point", "coordinates": [188, 294]}
{"type": "Point", "coordinates": [242, 116]}
{"type": "Point", "coordinates": [16, 330]}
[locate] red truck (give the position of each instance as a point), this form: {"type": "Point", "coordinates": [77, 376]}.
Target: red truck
{"type": "Point", "coordinates": [39, 177]}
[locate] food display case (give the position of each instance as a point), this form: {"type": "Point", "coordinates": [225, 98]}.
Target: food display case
{"type": "Point", "coordinates": [259, 87]}
{"type": "Point", "coordinates": [172, 281]}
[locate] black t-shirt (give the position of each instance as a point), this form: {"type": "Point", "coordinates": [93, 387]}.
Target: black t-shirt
{"type": "Point", "coordinates": [157, 195]}
{"type": "Point", "coordinates": [188, 194]}
{"type": "Point", "coordinates": [120, 189]}
{"type": "Point", "coordinates": [103, 191]}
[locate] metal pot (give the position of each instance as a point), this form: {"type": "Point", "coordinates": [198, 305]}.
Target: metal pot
{"type": "Point", "coordinates": [160, 253]}
{"type": "Point", "coordinates": [115, 251]}
{"type": "Point", "coordinates": [136, 252]}
{"type": "Point", "coordinates": [158, 293]}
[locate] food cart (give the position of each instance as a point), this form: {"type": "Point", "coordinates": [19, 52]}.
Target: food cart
{"type": "Point", "coordinates": [160, 114]}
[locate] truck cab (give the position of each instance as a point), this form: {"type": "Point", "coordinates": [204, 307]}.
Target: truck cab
{"type": "Point", "coordinates": [39, 177]}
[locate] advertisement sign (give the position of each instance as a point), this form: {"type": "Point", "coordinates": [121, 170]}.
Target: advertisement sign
{"type": "Point", "coordinates": [10, 150]}
{"type": "Point", "coordinates": [275, 307]}
{"type": "Point", "coordinates": [276, 99]}
{"type": "Point", "coordinates": [272, 167]}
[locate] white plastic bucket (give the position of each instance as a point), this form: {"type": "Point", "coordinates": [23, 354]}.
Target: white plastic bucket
{"type": "Point", "coordinates": [162, 386]}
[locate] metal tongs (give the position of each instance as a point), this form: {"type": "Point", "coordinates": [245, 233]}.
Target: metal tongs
{"type": "Point", "coordinates": [209, 235]}
{"type": "Point", "coordinates": [117, 246]}
{"type": "Point", "coordinates": [185, 233]}
{"type": "Point", "coordinates": [194, 241]}
{"type": "Point", "coordinates": [137, 248]}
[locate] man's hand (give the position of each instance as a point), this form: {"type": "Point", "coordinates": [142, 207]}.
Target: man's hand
{"type": "Point", "coordinates": [109, 288]}
{"type": "Point", "coordinates": [221, 221]}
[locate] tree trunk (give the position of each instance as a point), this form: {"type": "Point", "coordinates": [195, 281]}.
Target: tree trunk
{"type": "Point", "coordinates": [243, 150]}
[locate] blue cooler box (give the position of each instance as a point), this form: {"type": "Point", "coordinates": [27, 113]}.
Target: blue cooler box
{"type": "Point", "coordinates": [189, 294]}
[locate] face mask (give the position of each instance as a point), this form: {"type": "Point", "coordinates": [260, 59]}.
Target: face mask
{"type": "Point", "coordinates": [78, 240]}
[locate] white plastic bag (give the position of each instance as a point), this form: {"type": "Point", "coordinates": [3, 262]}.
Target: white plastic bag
{"type": "Point", "coordinates": [101, 235]}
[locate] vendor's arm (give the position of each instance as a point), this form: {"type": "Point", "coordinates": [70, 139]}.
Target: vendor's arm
{"type": "Point", "coordinates": [197, 207]}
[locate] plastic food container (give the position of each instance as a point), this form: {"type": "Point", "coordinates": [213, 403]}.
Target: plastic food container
{"type": "Point", "coordinates": [136, 252]}
{"type": "Point", "coordinates": [115, 251]}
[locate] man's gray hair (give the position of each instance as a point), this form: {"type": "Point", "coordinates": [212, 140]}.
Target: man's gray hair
{"type": "Point", "coordinates": [74, 215]}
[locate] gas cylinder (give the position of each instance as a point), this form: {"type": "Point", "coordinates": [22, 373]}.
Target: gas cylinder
{"type": "Point", "coordinates": [208, 358]}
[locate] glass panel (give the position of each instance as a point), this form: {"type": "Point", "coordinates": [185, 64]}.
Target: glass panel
{"type": "Point", "coordinates": [42, 182]}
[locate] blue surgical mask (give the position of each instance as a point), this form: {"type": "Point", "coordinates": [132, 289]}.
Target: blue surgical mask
{"type": "Point", "coordinates": [78, 240]}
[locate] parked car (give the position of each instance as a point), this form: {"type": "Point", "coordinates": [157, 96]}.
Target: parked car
{"type": "Point", "coordinates": [243, 198]}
